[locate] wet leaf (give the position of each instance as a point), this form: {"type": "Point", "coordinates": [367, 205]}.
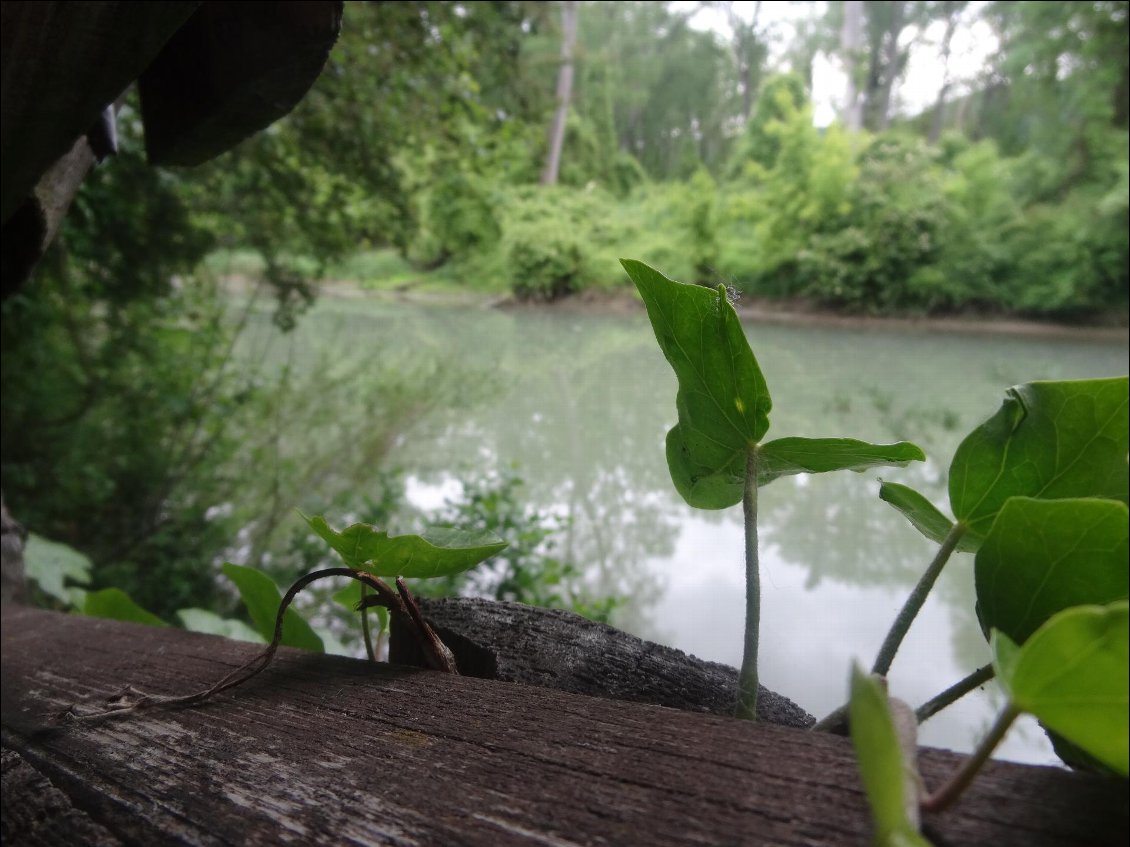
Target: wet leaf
{"type": "Point", "coordinates": [1049, 440]}
{"type": "Point", "coordinates": [115, 604]}
{"type": "Point", "coordinates": [723, 403]}
{"type": "Point", "coordinates": [262, 598]}
{"type": "Point", "coordinates": [438, 551]}
{"type": "Point", "coordinates": [1072, 674]}
{"type": "Point", "coordinates": [1043, 556]}
{"type": "Point", "coordinates": [923, 515]}
{"type": "Point", "coordinates": [820, 455]}
{"type": "Point", "coordinates": [889, 780]}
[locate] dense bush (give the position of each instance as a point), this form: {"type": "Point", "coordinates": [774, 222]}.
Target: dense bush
{"type": "Point", "coordinates": [460, 219]}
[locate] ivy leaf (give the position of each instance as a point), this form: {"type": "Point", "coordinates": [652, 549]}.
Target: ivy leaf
{"type": "Point", "coordinates": [115, 604]}
{"type": "Point", "coordinates": [438, 551]}
{"type": "Point", "coordinates": [202, 620]}
{"type": "Point", "coordinates": [262, 598]}
{"type": "Point", "coordinates": [1049, 440]}
{"type": "Point", "coordinates": [787, 456]}
{"type": "Point", "coordinates": [1043, 556]}
{"type": "Point", "coordinates": [723, 403]}
{"type": "Point", "coordinates": [889, 777]}
{"type": "Point", "coordinates": [1072, 674]}
{"type": "Point", "coordinates": [923, 515]}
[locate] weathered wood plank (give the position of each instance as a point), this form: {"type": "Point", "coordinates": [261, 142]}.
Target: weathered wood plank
{"type": "Point", "coordinates": [325, 750]}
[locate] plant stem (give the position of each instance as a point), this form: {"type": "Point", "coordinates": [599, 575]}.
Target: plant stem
{"type": "Point", "coordinates": [914, 602]}
{"type": "Point", "coordinates": [945, 797]}
{"type": "Point", "coordinates": [747, 680]}
{"type": "Point", "coordinates": [365, 625]}
{"type": "Point", "coordinates": [954, 693]}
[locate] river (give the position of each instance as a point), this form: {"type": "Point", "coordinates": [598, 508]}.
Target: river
{"type": "Point", "coordinates": [580, 403]}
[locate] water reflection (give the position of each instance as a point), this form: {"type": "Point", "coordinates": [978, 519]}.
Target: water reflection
{"type": "Point", "coordinates": [581, 406]}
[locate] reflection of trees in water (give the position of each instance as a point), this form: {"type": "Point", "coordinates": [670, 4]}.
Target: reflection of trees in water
{"type": "Point", "coordinates": [583, 420]}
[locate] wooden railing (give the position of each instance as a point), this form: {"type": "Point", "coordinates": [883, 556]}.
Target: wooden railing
{"type": "Point", "coordinates": [327, 750]}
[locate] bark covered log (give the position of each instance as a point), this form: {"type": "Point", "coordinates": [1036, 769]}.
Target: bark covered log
{"type": "Point", "coordinates": [552, 648]}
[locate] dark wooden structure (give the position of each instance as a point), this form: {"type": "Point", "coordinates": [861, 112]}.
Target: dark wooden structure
{"type": "Point", "coordinates": [327, 750]}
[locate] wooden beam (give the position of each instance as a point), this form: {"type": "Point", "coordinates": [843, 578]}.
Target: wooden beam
{"type": "Point", "coordinates": [328, 750]}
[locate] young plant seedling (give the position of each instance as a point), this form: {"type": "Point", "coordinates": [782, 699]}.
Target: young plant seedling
{"type": "Point", "coordinates": [1071, 674]}
{"type": "Point", "coordinates": [369, 554]}
{"type": "Point", "coordinates": [1049, 441]}
{"type": "Point", "coordinates": [715, 451]}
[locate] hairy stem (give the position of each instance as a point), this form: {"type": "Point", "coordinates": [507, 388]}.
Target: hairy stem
{"type": "Point", "coordinates": [914, 602]}
{"type": "Point", "coordinates": [947, 795]}
{"type": "Point", "coordinates": [747, 680]}
{"type": "Point", "coordinates": [954, 693]}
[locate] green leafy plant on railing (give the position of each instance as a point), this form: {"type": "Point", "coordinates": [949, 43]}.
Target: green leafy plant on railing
{"type": "Point", "coordinates": [715, 451]}
{"type": "Point", "coordinates": [1039, 493]}
{"type": "Point", "coordinates": [368, 555]}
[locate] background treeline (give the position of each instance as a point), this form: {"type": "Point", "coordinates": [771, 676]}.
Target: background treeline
{"type": "Point", "coordinates": [136, 429]}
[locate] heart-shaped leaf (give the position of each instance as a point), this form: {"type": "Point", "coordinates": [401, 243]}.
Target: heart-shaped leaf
{"type": "Point", "coordinates": [1072, 674]}
{"type": "Point", "coordinates": [437, 552]}
{"type": "Point", "coordinates": [819, 455]}
{"type": "Point", "coordinates": [923, 515]}
{"type": "Point", "coordinates": [262, 598]}
{"type": "Point", "coordinates": [1049, 440]}
{"type": "Point", "coordinates": [723, 403]}
{"type": "Point", "coordinates": [889, 776]}
{"type": "Point", "coordinates": [1043, 556]}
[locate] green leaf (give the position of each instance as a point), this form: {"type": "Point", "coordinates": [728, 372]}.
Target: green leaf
{"type": "Point", "coordinates": [1072, 674]}
{"type": "Point", "coordinates": [1043, 556]}
{"type": "Point", "coordinates": [1049, 440]}
{"type": "Point", "coordinates": [51, 564]}
{"type": "Point", "coordinates": [923, 515]}
{"type": "Point", "coordinates": [888, 779]}
{"type": "Point", "coordinates": [438, 551]}
{"type": "Point", "coordinates": [201, 620]}
{"type": "Point", "coordinates": [115, 604]}
{"type": "Point", "coordinates": [262, 598]}
{"type": "Point", "coordinates": [723, 403]}
{"type": "Point", "coordinates": [820, 455]}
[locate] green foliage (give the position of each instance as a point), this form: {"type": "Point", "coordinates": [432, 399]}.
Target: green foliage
{"type": "Point", "coordinates": [923, 515]}
{"type": "Point", "coordinates": [528, 570]}
{"type": "Point", "coordinates": [202, 620]}
{"type": "Point", "coordinates": [262, 598]}
{"type": "Point", "coordinates": [1049, 440]}
{"type": "Point", "coordinates": [460, 216]}
{"type": "Point", "coordinates": [891, 784]}
{"type": "Point", "coordinates": [51, 566]}
{"type": "Point", "coordinates": [545, 263]}
{"type": "Point", "coordinates": [781, 98]}
{"type": "Point", "coordinates": [1043, 556]}
{"type": "Point", "coordinates": [115, 604]}
{"type": "Point", "coordinates": [724, 403]}
{"type": "Point", "coordinates": [1072, 675]}
{"type": "Point", "coordinates": [438, 551]}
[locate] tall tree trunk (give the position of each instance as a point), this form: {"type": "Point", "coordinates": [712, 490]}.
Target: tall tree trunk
{"type": "Point", "coordinates": [938, 121]}
{"type": "Point", "coordinates": [892, 65]}
{"type": "Point", "coordinates": [564, 92]}
{"type": "Point", "coordinates": [851, 46]}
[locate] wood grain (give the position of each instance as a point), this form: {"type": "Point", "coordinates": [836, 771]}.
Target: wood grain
{"type": "Point", "coordinates": [327, 750]}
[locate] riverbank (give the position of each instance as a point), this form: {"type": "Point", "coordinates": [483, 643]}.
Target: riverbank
{"type": "Point", "coordinates": [750, 310]}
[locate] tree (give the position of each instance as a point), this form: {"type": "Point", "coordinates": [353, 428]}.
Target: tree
{"type": "Point", "coordinates": [564, 92]}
